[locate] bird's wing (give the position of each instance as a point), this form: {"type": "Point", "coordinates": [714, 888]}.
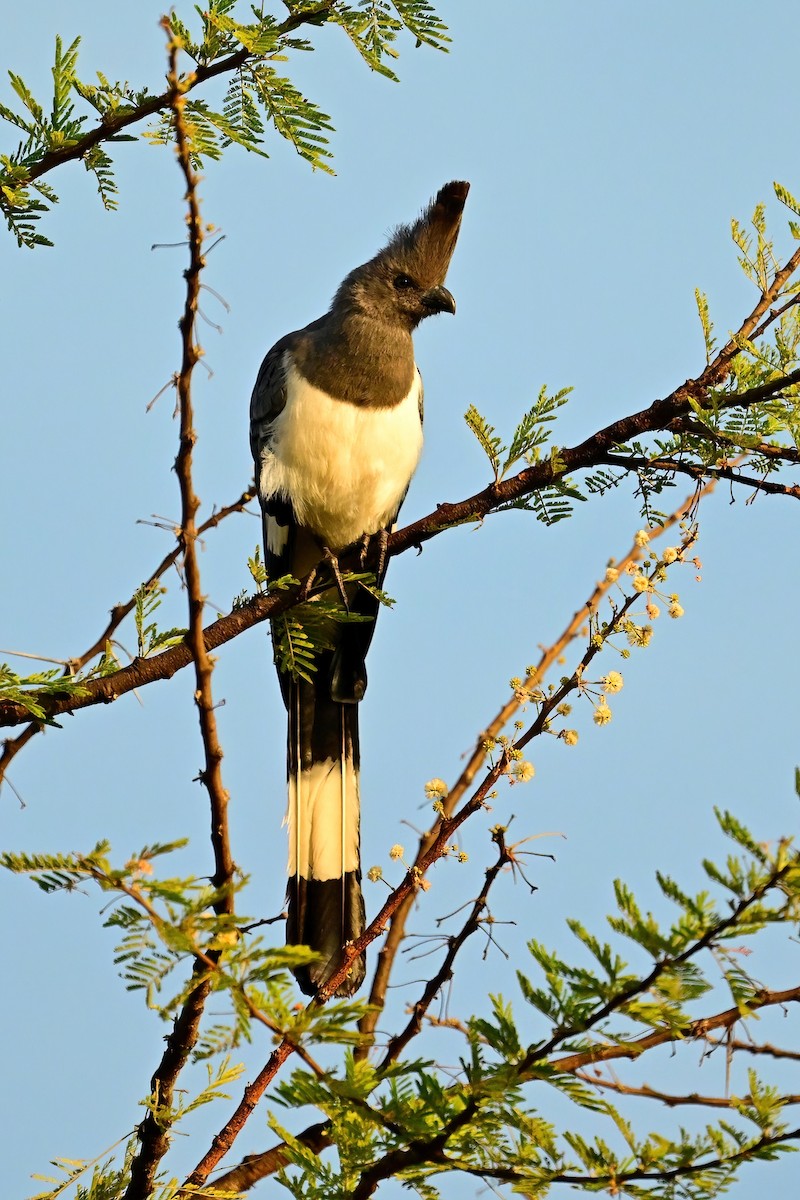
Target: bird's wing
{"type": "Point", "coordinates": [266, 404]}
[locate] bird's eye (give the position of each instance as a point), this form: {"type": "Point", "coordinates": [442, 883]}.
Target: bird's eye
{"type": "Point", "coordinates": [401, 282]}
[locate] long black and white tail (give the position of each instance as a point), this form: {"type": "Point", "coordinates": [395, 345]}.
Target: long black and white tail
{"type": "Point", "coordinates": [325, 904]}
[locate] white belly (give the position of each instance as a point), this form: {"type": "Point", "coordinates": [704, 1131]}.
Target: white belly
{"type": "Point", "coordinates": [344, 467]}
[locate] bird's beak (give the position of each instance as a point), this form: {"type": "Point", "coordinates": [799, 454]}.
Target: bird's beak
{"type": "Point", "coordinates": [438, 299]}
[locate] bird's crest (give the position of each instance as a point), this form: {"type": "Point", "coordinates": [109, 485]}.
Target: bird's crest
{"type": "Point", "coordinates": [425, 248]}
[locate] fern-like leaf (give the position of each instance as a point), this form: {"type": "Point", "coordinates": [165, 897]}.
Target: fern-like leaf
{"type": "Point", "coordinates": [490, 443]}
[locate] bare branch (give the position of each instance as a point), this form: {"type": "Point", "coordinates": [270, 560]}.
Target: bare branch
{"type": "Point", "coordinates": [154, 1130]}
{"type": "Point", "coordinates": [445, 972]}
{"type": "Point", "coordinates": [764, 1048]}
{"type": "Point", "coordinates": [12, 746]}
{"type": "Point", "coordinates": [669, 1099]}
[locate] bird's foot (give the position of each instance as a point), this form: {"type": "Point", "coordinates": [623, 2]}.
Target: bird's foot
{"type": "Point", "coordinates": [332, 563]}
{"type": "Point", "coordinates": [374, 552]}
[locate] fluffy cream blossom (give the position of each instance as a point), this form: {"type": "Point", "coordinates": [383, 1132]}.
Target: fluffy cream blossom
{"type": "Point", "coordinates": [638, 635]}
{"type": "Point", "coordinates": [612, 682]}
{"type": "Point", "coordinates": [436, 789]}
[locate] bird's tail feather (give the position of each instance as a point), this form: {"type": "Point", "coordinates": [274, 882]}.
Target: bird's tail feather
{"type": "Point", "coordinates": [325, 905]}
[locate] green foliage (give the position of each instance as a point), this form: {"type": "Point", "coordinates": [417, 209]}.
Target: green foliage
{"type": "Point", "coordinates": [550, 503]}
{"type": "Point", "coordinates": [147, 600]}
{"type": "Point", "coordinates": [706, 324]}
{"type": "Point", "coordinates": [488, 440]}
{"type": "Point", "coordinates": [30, 690]}
{"type": "Point", "coordinates": [374, 25]}
{"type": "Point", "coordinates": [483, 1117]}
{"type": "Point", "coordinates": [302, 633]}
{"type": "Point", "coordinates": [106, 1182]}
{"type": "Point", "coordinates": [258, 570]}
{"type": "Point", "coordinates": [529, 438]}
{"type": "Point", "coordinates": [482, 1121]}
{"type": "Point", "coordinates": [257, 95]}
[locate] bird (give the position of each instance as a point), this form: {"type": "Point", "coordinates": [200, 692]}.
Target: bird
{"type": "Point", "coordinates": [336, 435]}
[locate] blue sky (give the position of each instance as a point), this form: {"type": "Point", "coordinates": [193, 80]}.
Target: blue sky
{"type": "Point", "coordinates": [607, 147]}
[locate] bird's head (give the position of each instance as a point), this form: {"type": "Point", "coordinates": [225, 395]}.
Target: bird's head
{"type": "Point", "coordinates": [404, 282]}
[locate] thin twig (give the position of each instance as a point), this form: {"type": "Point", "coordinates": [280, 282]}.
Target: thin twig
{"type": "Point", "coordinates": [637, 462]}
{"type": "Point", "coordinates": [12, 746]}
{"type": "Point", "coordinates": [548, 658]}
{"type": "Point", "coordinates": [445, 972]}
{"type": "Point", "coordinates": [669, 1099]}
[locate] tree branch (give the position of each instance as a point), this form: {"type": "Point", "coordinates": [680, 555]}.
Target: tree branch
{"type": "Point", "coordinates": [637, 462]}
{"type": "Point", "coordinates": [12, 746]}
{"type": "Point", "coordinates": [113, 124]}
{"type": "Point", "coordinates": [592, 452]}
{"type": "Point", "coordinates": [755, 1048]}
{"type": "Point", "coordinates": [641, 986]}
{"type": "Point", "coordinates": [548, 658]}
{"type": "Point", "coordinates": [445, 972]}
{"type": "Point", "coordinates": [642, 1174]}
{"type": "Point", "coordinates": [154, 1130]}
{"type": "Point", "coordinates": [432, 1150]}
{"type": "Point", "coordinates": [668, 1099]}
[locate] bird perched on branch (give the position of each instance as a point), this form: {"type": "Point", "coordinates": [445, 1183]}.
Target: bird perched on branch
{"type": "Point", "coordinates": [336, 434]}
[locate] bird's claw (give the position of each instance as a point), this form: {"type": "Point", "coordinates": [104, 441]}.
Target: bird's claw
{"type": "Point", "coordinates": [368, 543]}
{"type": "Point", "coordinates": [332, 563]}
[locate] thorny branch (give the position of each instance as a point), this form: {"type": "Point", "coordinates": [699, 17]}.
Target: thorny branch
{"type": "Point", "coordinates": [659, 1037]}
{"type": "Point", "coordinates": [615, 1003]}
{"type": "Point", "coordinates": [477, 915]}
{"type": "Point", "coordinates": [642, 1174]}
{"type": "Point", "coordinates": [634, 462]}
{"type": "Point", "coordinates": [12, 746]}
{"type": "Point", "coordinates": [154, 1130]}
{"type": "Point", "coordinates": [754, 1048]}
